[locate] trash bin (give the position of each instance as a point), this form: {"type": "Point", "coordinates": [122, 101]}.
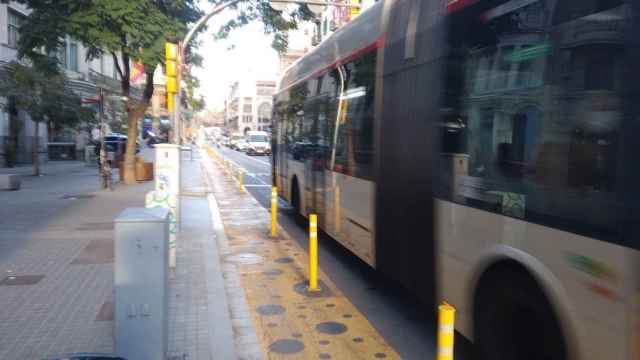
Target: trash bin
{"type": "Point", "coordinates": [144, 171]}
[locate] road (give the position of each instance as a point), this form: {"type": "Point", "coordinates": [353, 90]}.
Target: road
{"type": "Point", "coordinates": [397, 315]}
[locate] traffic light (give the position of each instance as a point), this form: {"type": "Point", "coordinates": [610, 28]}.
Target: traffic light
{"type": "Point", "coordinates": [354, 8]}
{"type": "Point", "coordinates": [171, 66]}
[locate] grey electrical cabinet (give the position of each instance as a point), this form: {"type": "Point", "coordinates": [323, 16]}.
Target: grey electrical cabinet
{"type": "Point", "coordinates": [141, 283]}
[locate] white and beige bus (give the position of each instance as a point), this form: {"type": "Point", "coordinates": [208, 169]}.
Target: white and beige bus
{"type": "Point", "coordinates": [483, 152]}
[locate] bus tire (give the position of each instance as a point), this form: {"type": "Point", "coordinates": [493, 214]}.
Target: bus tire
{"type": "Point", "coordinates": [513, 318]}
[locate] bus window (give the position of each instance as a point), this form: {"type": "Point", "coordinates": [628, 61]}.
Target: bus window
{"type": "Point", "coordinates": [295, 139]}
{"type": "Point", "coordinates": [538, 105]}
{"type": "Point", "coordinates": [354, 147]}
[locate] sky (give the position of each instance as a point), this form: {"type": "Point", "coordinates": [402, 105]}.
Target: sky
{"type": "Point", "coordinates": [251, 55]}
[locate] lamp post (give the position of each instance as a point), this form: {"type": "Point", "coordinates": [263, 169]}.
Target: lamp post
{"type": "Point", "coordinates": [182, 60]}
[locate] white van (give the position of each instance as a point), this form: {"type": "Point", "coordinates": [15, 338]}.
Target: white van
{"type": "Point", "coordinates": [258, 143]}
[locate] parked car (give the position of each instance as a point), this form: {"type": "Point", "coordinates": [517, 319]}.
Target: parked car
{"type": "Point", "coordinates": [115, 146]}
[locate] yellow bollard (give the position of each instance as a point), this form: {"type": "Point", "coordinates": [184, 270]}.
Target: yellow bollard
{"type": "Point", "coordinates": [313, 253]}
{"type": "Point", "coordinates": [337, 209]}
{"type": "Point", "coordinates": [446, 333]}
{"type": "Point", "coordinates": [274, 211]}
{"type": "Point", "coordinates": [241, 179]}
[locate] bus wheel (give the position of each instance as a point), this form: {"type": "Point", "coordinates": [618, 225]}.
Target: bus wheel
{"type": "Point", "coordinates": [513, 319]}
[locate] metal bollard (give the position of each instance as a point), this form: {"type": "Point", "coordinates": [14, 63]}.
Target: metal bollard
{"type": "Point", "coordinates": [446, 333]}
{"type": "Point", "coordinates": [313, 253]}
{"type": "Point", "coordinates": [274, 211]}
{"type": "Point", "coordinates": [241, 180]}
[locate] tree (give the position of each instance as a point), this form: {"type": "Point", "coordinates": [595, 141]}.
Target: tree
{"type": "Point", "coordinates": [45, 95]}
{"type": "Point", "coordinates": [276, 23]}
{"type": "Point", "coordinates": [128, 31]}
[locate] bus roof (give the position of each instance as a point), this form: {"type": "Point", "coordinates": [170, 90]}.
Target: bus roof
{"type": "Point", "coordinates": [361, 33]}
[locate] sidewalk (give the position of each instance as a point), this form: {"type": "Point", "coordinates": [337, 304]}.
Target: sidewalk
{"type": "Point", "coordinates": [56, 239]}
{"type": "Point", "coordinates": [199, 324]}
{"type": "Point", "coordinates": [268, 279]}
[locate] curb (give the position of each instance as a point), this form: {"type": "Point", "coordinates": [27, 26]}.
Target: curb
{"type": "Point", "coordinates": [242, 333]}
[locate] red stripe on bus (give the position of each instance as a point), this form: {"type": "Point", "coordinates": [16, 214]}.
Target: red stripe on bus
{"type": "Point", "coordinates": [456, 5]}
{"type": "Point", "coordinates": [378, 44]}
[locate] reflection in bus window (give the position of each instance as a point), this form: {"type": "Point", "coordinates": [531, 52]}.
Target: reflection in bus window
{"type": "Point", "coordinates": [538, 110]}
{"type": "Point", "coordinates": [354, 147]}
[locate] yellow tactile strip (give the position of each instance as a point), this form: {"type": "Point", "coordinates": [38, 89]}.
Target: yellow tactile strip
{"type": "Point", "coordinates": [289, 323]}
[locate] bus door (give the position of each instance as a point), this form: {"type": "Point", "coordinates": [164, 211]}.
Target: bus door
{"type": "Point", "coordinates": [308, 156]}
{"type": "Point", "coordinates": [351, 180]}
{"type": "Point", "coordinates": [318, 159]}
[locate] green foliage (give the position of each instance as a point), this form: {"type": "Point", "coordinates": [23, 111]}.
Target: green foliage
{"type": "Point", "coordinates": [128, 30]}
{"type": "Point", "coordinates": [46, 96]}
{"type": "Point", "coordinates": [275, 23]}
{"type": "Point", "coordinates": [189, 98]}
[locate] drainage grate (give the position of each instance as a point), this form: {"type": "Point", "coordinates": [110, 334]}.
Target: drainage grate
{"type": "Point", "coordinates": [18, 280]}
{"type": "Point", "coordinates": [77, 196]}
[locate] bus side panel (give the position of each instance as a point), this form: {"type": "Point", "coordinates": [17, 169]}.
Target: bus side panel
{"type": "Point", "coordinates": [404, 201]}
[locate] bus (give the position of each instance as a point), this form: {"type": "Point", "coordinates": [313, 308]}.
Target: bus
{"type": "Point", "coordinates": [481, 152]}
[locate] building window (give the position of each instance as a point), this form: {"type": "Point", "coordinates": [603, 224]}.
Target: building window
{"type": "Point", "coordinates": [62, 55]}
{"type": "Point", "coordinates": [264, 113]}
{"type": "Point", "coordinates": [13, 28]}
{"type": "Point", "coordinates": [247, 118]}
{"type": "Point", "coordinates": [247, 108]}
{"type": "Point", "coordinates": [73, 57]}
{"type": "Point", "coordinates": [101, 64]}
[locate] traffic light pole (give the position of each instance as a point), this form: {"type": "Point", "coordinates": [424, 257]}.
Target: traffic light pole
{"type": "Point", "coordinates": [177, 133]}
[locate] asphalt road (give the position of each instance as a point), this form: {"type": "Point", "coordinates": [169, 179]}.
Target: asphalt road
{"type": "Point", "coordinates": [397, 315]}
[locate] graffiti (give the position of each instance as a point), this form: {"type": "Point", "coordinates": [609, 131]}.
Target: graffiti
{"type": "Point", "coordinates": [164, 199]}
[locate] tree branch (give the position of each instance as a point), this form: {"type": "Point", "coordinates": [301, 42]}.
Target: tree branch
{"type": "Point", "coordinates": [117, 64]}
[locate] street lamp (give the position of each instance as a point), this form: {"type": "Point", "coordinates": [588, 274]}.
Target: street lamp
{"type": "Point", "coordinates": [182, 59]}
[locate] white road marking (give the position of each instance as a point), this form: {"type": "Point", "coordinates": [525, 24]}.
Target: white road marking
{"type": "Point", "coordinates": [254, 159]}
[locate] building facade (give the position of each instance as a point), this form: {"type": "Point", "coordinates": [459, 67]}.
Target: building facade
{"type": "Point", "coordinates": [249, 105]}
{"type": "Point", "coordinates": [86, 78]}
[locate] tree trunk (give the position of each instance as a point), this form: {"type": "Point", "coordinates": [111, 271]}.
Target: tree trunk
{"type": "Point", "coordinates": [130, 156]}
{"type": "Point", "coordinates": [35, 152]}
{"type": "Point", "coordinates": [134, 115]}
